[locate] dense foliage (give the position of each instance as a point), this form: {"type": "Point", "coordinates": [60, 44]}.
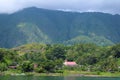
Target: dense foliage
{"type": "Point", "coordinates": [52, 26]}
{"type": "Point", "coordinates": [45, 58]}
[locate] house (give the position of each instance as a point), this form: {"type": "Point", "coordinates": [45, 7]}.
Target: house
{"type": "Point", "coordinates": [70, 63]}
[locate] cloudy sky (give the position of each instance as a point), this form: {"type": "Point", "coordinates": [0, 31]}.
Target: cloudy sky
{"type": "Point", "coordinates": [107, 6]}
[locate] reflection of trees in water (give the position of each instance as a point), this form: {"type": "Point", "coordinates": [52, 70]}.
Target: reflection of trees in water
{"type": "Point", "coordinates": [69, 78]}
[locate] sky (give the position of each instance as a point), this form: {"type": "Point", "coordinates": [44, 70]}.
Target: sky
{"type": "Point", "coordinates": [106, 6]}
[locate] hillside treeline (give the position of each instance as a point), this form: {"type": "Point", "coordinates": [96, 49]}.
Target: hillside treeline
{"type": "Point", "coordinates": [44, 58]}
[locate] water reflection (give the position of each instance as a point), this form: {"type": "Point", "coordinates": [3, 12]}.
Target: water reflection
{"type": "Point", "coordinates": [69, 78]}
{"type": "Point", "coordinates": [55, 78]}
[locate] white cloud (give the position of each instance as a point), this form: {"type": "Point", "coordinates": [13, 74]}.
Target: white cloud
{"type": "Point", "coordinates": [111, 6]}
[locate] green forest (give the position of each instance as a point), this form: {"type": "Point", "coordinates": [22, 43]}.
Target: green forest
{"type": "Point", "coordinates": [49, 58]}
{"type": "Point", "coordinates": [36, 25]}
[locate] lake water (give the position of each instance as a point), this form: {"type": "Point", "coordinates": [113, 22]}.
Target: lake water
{"type": "Point", "coordinates": [52, 78]}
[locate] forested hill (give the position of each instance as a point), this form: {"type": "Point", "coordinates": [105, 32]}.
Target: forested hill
{"type": "Point", "coordinates": [51, 26]}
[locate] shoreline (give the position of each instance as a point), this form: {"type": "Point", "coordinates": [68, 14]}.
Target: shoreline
{"type": "Point", "coordinates": [66, 74]}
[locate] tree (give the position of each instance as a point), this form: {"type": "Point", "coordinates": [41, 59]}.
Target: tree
{"type": "Point", "coordinates": [3, 67]}
{"type": "Point", "coordinates": [27, 66]}
{"type": "Point", "coordinates": [109, 64]}
{"type": "Point", "coordinates": [49, 66]}
{"type": "Point", "coordinates": [56, 52]}
{"type": "Point", "coordinates": [115, 51]}
{"type": "Point", "coordinates": [2, 54]}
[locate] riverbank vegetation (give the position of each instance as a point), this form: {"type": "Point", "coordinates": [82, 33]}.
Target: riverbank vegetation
{"type": "Point", "coordinates": [45, 58]}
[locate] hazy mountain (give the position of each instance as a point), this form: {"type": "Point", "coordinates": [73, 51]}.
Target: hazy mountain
{"type": "Point", "coordinates": [51, 26]}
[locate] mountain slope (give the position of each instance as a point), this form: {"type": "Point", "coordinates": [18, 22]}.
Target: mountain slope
{"type": "Point", "coordinates": [50, 26]}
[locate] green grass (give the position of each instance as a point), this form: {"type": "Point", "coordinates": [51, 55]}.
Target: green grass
{"type": "Point", "coordinates": [92, 74]}
{"type": "Point", "coordinates": [109, 74]}
{"type": "Point", "coordinates": [68, 73]}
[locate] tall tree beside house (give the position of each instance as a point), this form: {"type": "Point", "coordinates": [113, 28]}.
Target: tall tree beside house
{"type": "Point", "coordinates": [56, 52]}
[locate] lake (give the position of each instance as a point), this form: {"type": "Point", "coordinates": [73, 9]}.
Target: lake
{"type": "Point", "coordinates": [53, 78]}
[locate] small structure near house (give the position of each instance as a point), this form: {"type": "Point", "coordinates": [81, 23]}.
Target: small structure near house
{"type": "Point", "coordinates": [12, 67]}
{"type": "Point", "coordinates": [35, 66]}
{"type": "Point", "coordinates": [70, 63]}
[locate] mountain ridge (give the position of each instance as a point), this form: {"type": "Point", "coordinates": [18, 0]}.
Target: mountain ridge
{"type": "Point", "coordinates": [53, 26]}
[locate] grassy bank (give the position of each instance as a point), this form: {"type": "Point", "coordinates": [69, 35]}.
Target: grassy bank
{"type": "Point", "coordinates": [66, 73]}
{"type": "Point", "coordinates": [92, 74]}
